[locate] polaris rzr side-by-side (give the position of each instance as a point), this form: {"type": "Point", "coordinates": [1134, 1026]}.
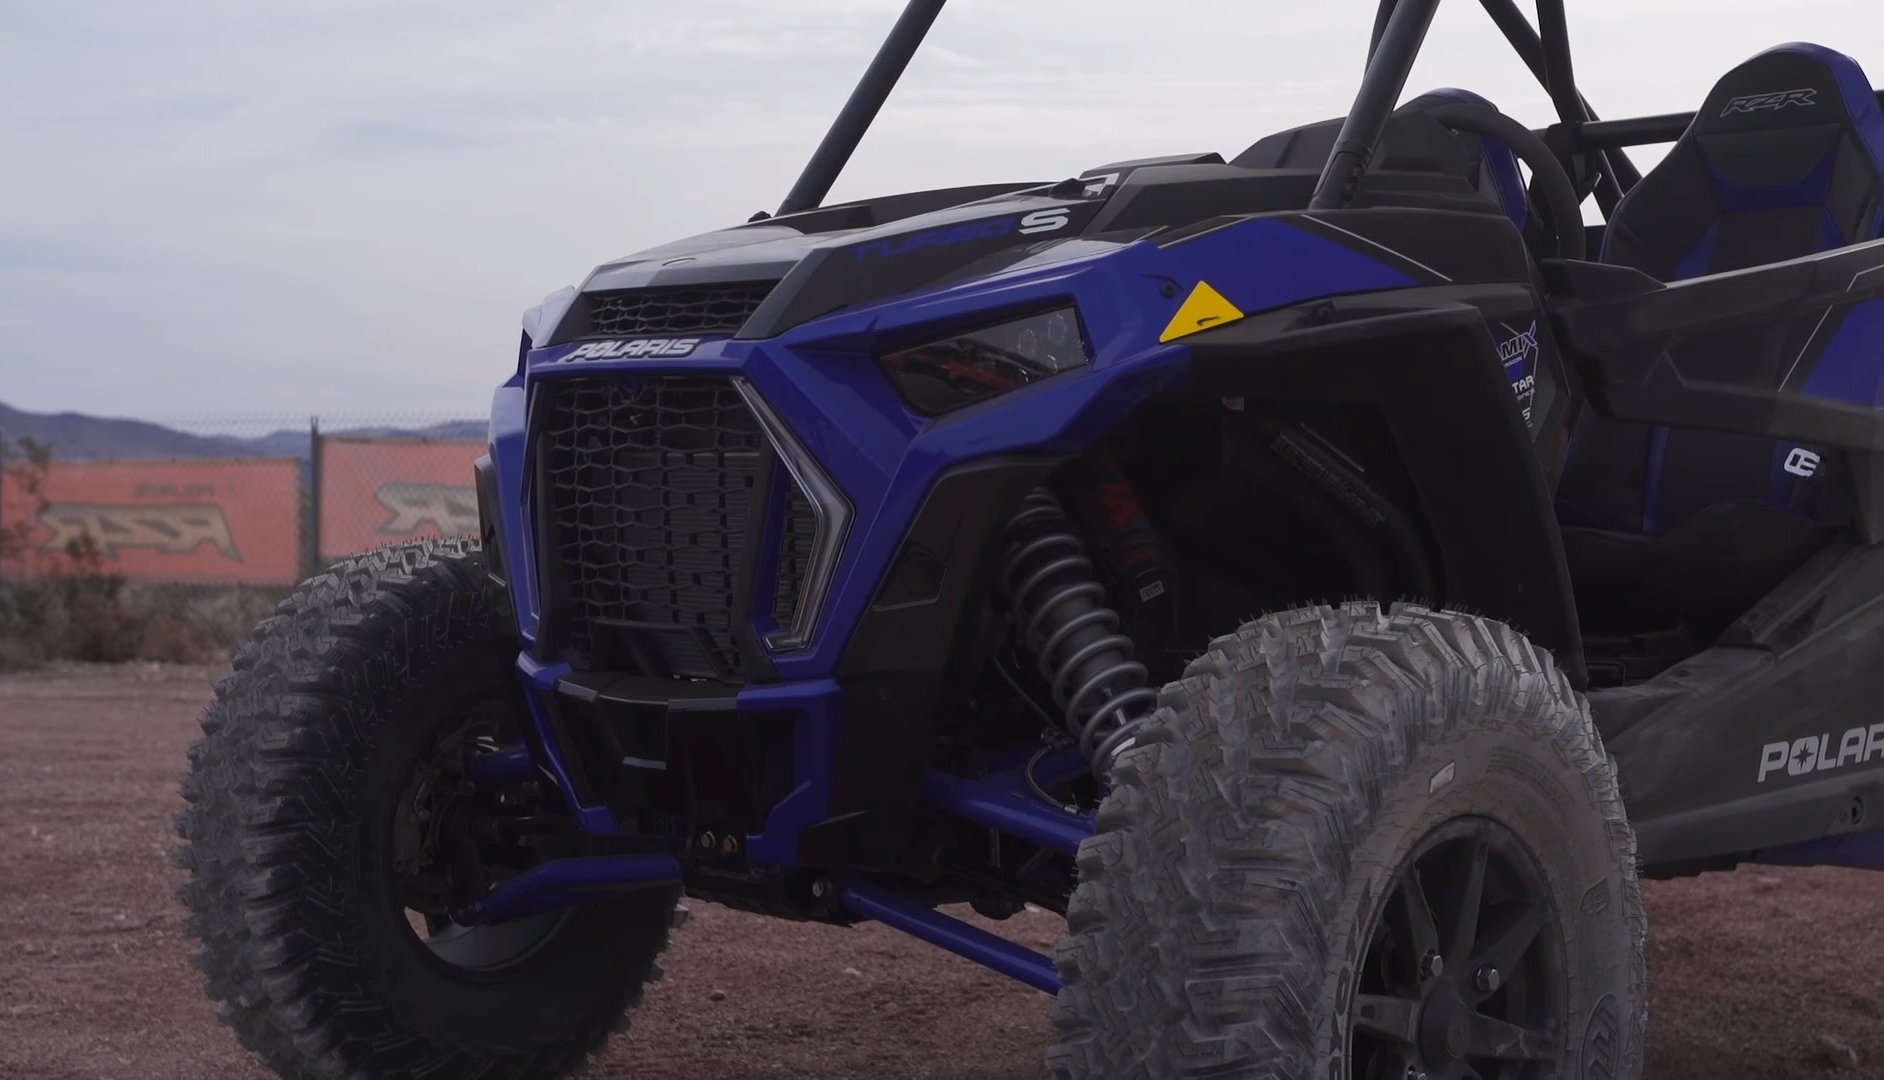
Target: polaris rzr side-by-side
{"type": "Point", "coordinates": [856, 561]}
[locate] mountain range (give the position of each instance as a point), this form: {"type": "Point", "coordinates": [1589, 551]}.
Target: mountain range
{"type": "Point", "coordinates": [78, 437]}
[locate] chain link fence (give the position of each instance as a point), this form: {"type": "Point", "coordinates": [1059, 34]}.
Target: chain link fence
{"type": "Point", "coordinates": [123, 540]}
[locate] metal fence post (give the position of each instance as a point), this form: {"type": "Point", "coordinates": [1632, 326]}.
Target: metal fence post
{"type": "Point", "coordinates": [312, 556]}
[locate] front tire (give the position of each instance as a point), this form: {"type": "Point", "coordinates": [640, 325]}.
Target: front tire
{"type": "Point", "coordinates": [1359, 845]}
{"type": "Point", "coordinates": [319, 753]}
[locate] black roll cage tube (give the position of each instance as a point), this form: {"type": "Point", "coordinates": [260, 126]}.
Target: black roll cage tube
{"type": "Point", "coordinates": [873, 89]}
{"type": "Point", "coordinates": [1591, 148]}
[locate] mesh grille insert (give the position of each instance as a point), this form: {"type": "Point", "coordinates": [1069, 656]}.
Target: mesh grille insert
{"type": "Point", "coordinates": [695, 309]}
{"type": "Point", "coordinates": [650, 486]}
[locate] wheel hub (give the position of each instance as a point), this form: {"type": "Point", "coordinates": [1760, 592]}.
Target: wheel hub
{"type": "Point", "coordinates": [1463, 974]}
{"type": "Point", "coordinates": [447, 837]}
{"type": "Point", "coordinates": [423, 873]}
{"type": "Point", "coordinates": [1445, 1026]}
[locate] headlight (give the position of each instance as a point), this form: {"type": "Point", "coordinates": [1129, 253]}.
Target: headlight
{"type": "Point", "coordinates": [962, 370]}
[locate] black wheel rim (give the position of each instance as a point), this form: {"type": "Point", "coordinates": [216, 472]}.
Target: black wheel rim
{"type": "Point", "coordinates": [487, 948]}
{"type": "Point", "coordinates": [1464, 976]}
{"type": "Point", "coordinates": [435, 783]}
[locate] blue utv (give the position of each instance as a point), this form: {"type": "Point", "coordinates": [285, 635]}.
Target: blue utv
{"type": "Point", "coordinates": [1331, 577]}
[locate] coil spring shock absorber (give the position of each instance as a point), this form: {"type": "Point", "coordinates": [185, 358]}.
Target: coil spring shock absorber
{"type": "Point", "coordinates": [1061, 610]}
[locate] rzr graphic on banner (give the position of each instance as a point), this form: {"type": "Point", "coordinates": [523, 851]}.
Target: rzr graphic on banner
{"type": "Point", "coordinates": [176, 529]}
{"type": "Point", "coordinates": [380, 491]}
{"type": "Point", "coordinates": [203, 522]}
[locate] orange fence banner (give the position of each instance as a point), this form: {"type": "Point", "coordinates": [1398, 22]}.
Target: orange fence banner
{"type": "Point", "coordinates": [375, 491]}
{"type": "Point", "coordinates": [188, 521]}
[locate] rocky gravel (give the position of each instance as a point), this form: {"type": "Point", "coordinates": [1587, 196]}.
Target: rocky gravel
{"type": "Point", "coordinates": [1761, 974]}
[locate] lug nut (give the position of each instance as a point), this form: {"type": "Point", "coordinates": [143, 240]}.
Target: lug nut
{"type": "Point", "coordinates": [1487, 979]}
{"type": "Point", "coordinates": [729, 844]}
{"type": "Point", "coordinates": [821, 888]}
{"type": "Point", "coordinates": [1432, 966]}
{"type": "Point", "coordinates": [707, 840]}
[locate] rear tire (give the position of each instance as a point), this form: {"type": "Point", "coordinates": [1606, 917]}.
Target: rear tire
{"type": "Point", "coordinates": [1244, 909]}
{"type": "Point", "coordinates": [338, 700]}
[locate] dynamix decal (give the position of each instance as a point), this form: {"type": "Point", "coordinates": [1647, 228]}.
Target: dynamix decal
{"type": "Point", "coordinates": [453, 508]}
{"type": "Point", "coordinates": [1820, 753]}
{"type": "Point", "coordinates": [171, 530]}
{"type": "Point", "coordinates": [1040, 221]}
{"type": "Point", "coordinates": [635, 349]}
{"type": "Point", "coordinates": [1519, 354]}
{"type": "Point", "coordinates": [1772, 102]}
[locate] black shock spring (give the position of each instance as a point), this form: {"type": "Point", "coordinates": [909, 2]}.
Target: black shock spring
{"type": "Point", "coordinates": [1060, 608]}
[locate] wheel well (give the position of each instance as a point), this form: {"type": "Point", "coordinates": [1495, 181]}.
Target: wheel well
{"type": "Point", "coordinates": [1263, 506]}
{"type": "Point", "coordinates": [1358, 450]}
{"type": "Point", "coordinates": [1436, 433]}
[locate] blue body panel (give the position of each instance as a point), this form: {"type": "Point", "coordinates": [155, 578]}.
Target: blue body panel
{"type": "Point", "coordinates": [823, 380]}
{"type": "Point", "coordinates": [507, 458]}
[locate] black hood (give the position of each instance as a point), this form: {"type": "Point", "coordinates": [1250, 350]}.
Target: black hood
{"type": "Point", "coordinates": [809, 264]}
{"type": "Point", "coordinates": [773, 274]}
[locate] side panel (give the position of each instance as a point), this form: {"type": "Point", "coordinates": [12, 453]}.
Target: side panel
{"type": "Point", "coordinates": [1809, 377]}
{"type": "Point", "coordinates": [1771, 737]}
{"type": "Point", "coordinates": [1619, 325]}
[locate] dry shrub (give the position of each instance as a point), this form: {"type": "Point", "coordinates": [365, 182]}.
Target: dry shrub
{"type": "Point", "coordinates": [101, 618]}
{"type": "Point", "coordinates": [79, 610]}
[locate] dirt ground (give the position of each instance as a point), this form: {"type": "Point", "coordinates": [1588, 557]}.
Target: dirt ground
{"type": "Point", "coordinates": [1757, 975]}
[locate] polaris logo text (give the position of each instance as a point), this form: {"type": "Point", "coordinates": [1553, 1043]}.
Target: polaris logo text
{"type": "Point", "coordinates": [1040, 221]}
{"type": "Point", "coordinates": [637, 349]}
{"type": "Point", "coordinates": [1816, 753]}
{"type": "Point", "coordinates": [1772, 102]}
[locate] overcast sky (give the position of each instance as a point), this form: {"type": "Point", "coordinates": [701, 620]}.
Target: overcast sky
{"type": "Point", "coordinates": [219, 208]}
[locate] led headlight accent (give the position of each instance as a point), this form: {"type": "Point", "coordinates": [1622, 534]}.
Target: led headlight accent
{"type": "Point", "coordinates": [947, 375]}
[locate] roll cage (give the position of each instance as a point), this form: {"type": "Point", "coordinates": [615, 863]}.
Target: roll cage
{"type": "Point", "coordinates": [1592, 149]}
{"type": "Point", "coordinates": [1614, 323]}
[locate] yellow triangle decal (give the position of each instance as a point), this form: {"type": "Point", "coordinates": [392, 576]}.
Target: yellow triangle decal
{"type": "Point", "coordinates": [1204, 309]}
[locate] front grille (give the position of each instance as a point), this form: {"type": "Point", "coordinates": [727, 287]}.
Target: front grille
{"type": "Point", "coordinates": [693, 309]}
{"type": "Point", "coordinates": [650, 485]}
